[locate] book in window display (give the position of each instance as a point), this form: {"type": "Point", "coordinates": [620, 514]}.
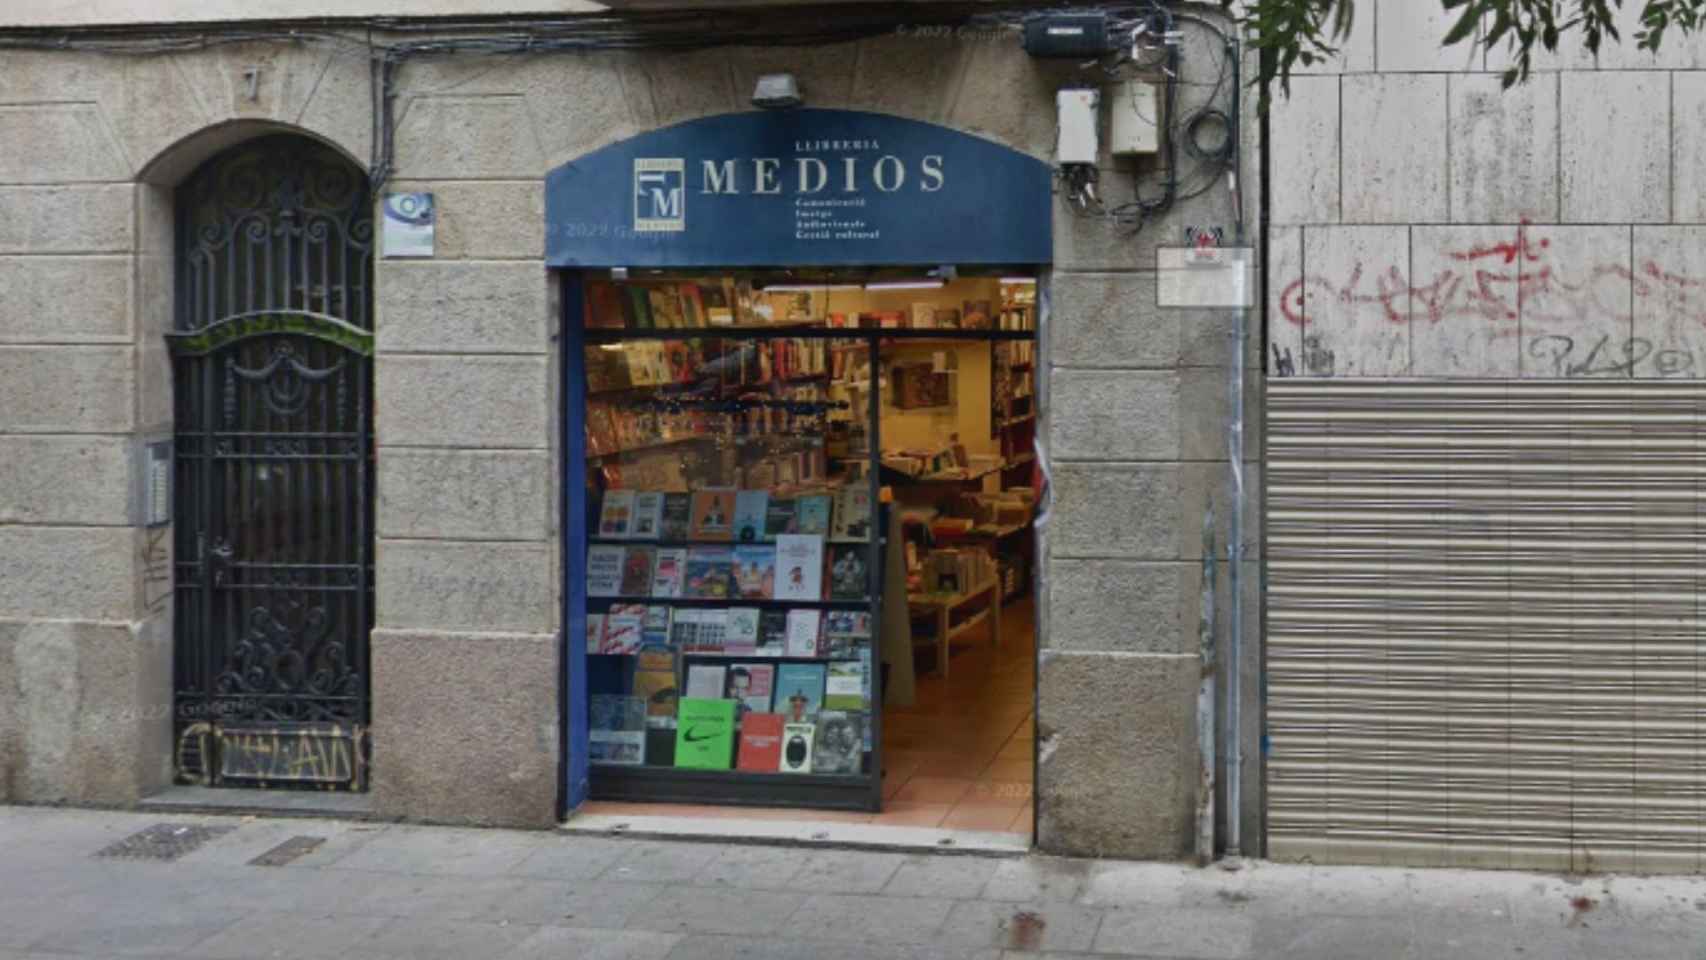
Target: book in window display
{"type": "Point", "coordinates": [654, 680]}
{"type": "Point", "coordinates": [749, 686]}
{"type": "Point", "coordinates": [760, 743]}
{"type": "Point", "coordinates": [710, 573]}
{"type": "Point", "coordinates": [812, 515]}
{"type": "Point", "coordinates": [799, 567]}
{"type": "Point", "coordinates": [617, 516]}
{"type": "Point", "coordinates": [604, 306]}
{"type": "Point", "coordinates": [637, 571]}
{"type": "Point", "coordinates": [705, 681]}
{"type": "Point", "coordinates": [751, 507]}
{"type": "Point", "coordinates": [624, 629]}
{"type": "Point", "coordinates": [705, 733]}
{"type": "Point", "coordinates": [844, 631]}
{"type": "Point", "coordinates": [668, 572]}
{"type": "Point", "coordinates": [852, 513]}
{"type": "Point", "coordinates": [797, 747]}
{"type": "Point", "coordinates": [676, 521]}
{"type": "Point", "coordinates": [703, 632]}
{"type": "Point", "coordinates": [740, 632]}
{"type": "Point", "coordinates": [848, 568]}
{"type": "Point", "coordinates": [799, 691]}
{"type": "Point", "coordinates": [844, 685]}
{"type": "Point", "coordinates": [617, 732]}
{"type": "Point", "coordinates": [754, 572]}
{"type": "Point", "coordinates": [772, 633]}
{"type": "Point", "coordinates": [713, 515]}
{"type": "Point", "coordinates": [779, 517]}
{"type": "Point", "coordinates": [648, 515]}
{"type": "Point", "coordinates": [692, 304]}
{"type": "Point", "coordinates": [604, 570]}
{"type": "Point", "coordinates": [656, 629]}
{"type": "Point", "coordinates": [719, 312]}
{"type": "Point", "coordinates": [839, 742]}
{"type": "Point", "coordinates": [804, 633]}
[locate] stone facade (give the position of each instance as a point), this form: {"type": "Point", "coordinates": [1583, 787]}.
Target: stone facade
{"type": "Point", "coordinates": [468, 393]}
{"type": "Point", "coordinates": [1402, 168]}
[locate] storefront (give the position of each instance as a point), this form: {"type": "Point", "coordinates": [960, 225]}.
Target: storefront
{"type": "Point", "coordinates": [795, 342]}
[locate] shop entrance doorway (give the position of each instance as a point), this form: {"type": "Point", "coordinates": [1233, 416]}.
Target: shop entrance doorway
{"type": "Point", "coordinates": [807, 563]}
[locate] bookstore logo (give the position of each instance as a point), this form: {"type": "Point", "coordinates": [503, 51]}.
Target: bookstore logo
{"type": "Point", "coordinates": [660, 194]}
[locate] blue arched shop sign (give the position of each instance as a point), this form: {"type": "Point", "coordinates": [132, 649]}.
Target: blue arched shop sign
{"type": "Point", "coordinates": [799, 188]}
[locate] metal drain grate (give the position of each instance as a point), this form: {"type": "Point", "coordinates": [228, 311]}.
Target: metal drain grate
{"type": "Point", "coordinates": [163, 841]}
{"type": "Point", "coordinates": [287, 851]}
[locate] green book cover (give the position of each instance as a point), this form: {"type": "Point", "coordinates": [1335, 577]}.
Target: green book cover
{"type": "Point", "coordinates": [705, 733]}
{"type": "Point", "coordinates": [640, 307]}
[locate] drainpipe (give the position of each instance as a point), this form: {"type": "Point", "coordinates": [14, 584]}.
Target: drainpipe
{"type": "Point", "coordinates": [1235, 526]}
{"type": "Point", "coordinates": [1205, 697]}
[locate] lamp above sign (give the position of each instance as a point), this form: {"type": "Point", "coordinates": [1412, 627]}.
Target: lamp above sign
{"type": "Point", "coordinates": [800, 188]}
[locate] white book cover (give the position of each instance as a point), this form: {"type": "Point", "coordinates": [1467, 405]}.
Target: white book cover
{"type": "Point", "coordinates": [705, 681]}
{"type": "Point", "coordinates": [667, 572]}
{"type": "Point", "coordinates": [740, 634]}
{"type": "Point", "coordinates": [797, 747]}
{"type": "Point", "coordinates": [802, 633]}
{"type": "Point", "coordinates": [648, 515]}
{"type": "Point", "coordinates": [616, 515]}
{"type": "Point", "coordinates": [604, 570]}
{"type": "Point", "coordinates": [799, 567]}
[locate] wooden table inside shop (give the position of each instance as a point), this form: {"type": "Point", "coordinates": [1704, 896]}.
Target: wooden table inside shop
{"type": "Point", "coordinates": [944, 605]}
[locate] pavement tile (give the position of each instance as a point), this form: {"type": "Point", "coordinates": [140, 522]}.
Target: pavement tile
{"type": "Point", "coordinates": [747, 948]}
{"type": "Point", "coordinates": [1022, 926]}
{"type": "Point", "coordinates": [714, 910]}
{"type": "Point", "coordinates": [450, 940]}
{"type": "Point", "coordinates": [1184, 934]}
{"type": "Point", "coordinates": [103, 936]}
{"type": "Point", "coordinates": [958, 878]}
{"type": "Point", "coordinates": [449, 898]}
{"type": "Point", "coordinates": [864, 918]}
{"type": "Point", "coordinates": [1037, 878]}
{"type": "Point", "coordinates": [1131, 885]}
{"type": "Point", "coordinates": [596, 903]}
{"type": "Point", "coordinates": [296, 936]}
{"type": "Point", "coordinates": [561, 857]}
{"type": "Point", "coordinates": [1322, 937]}
{"type": "Point", "coordinates": [650, 861]}
{"type": "Point", "coordinates": [753, 868]}
{"type": "Point", "coordinates": [575, 943]}
{"type": "Point", "coordinates": [843, 871]}
{"type": "Point", "coordinates": [440, 850]}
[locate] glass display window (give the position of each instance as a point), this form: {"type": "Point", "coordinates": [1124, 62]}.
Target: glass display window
{"type": "Point", "coordinates": [732, 565]}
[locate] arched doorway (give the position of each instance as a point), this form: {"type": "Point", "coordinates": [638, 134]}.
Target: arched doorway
{"type": "Point", "coordinates": [273, 379]}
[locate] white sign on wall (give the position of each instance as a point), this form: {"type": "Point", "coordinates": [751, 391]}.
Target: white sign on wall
{"type": "Point", "coordinates": [1205, 276]}
{"type": "Point", "coordinates": [408, 227]}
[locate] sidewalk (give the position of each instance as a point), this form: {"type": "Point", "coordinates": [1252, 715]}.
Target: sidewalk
{"type": "Point", "coordinates": [359, 890]}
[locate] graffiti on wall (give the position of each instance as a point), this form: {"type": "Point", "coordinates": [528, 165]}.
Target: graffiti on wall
{"type": "Point", "coordinates": [1555, 316]}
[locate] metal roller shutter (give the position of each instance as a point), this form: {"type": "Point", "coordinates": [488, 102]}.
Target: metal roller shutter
{"type": "Point", "coordinates": [1484, 611]}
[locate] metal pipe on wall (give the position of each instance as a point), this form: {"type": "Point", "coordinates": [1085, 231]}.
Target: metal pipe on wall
{"type": "Point", "coordinates": [1235, 524]}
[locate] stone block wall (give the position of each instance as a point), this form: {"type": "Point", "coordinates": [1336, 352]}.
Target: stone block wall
{"type": "Point", "coordinates": [1427, 223]}
{"type": "Point", "coordinates": [466, 668]}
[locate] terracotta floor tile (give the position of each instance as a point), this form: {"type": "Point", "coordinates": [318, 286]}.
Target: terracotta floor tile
{"type": "Point", "coordinates": [1014, 770]}
{"type": "Point", "coordinates": [1022, 822]}
{"type": "Point", "coordinates": [901, 813]}
{"type": "Point", "coordinates": [971, 816]}
{"type": "Point", "coordinates": [998, 793]}
{"type": "Point", "coordinates": [923, 789]}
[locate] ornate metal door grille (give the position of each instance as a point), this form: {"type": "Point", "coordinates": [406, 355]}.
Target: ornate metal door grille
{"type": "Point", "coordinates": [273, 386]}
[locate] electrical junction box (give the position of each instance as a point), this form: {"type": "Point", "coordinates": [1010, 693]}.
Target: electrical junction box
{"type": "Point", "coordinates": [1134, 118]}
{"type": "Point", "coordinates": [1075, 35]}
{"type": "Point", "coordinates": [1078, 114]}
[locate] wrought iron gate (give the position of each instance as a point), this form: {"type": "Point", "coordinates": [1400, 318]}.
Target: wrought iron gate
{"type": "Point", "coordinates": [273, 382]}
